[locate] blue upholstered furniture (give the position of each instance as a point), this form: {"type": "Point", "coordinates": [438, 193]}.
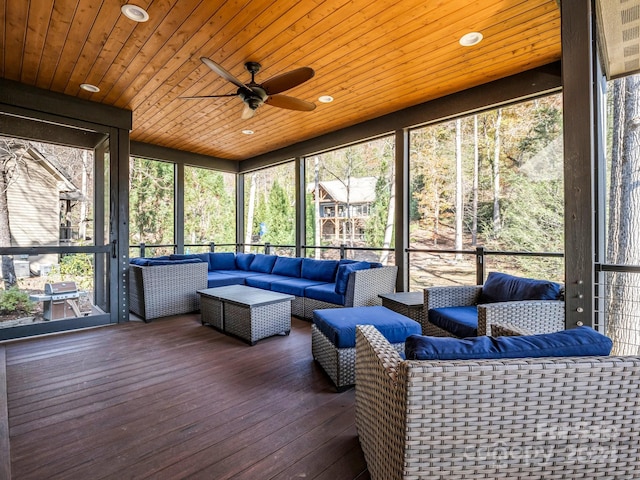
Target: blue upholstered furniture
{"type": "Point", "coordinates": [462, 415]}
{"type": "Point", "coordinates": [333, 337]}
{"type": "Point", "coordinates": [467, 311]}
{"type": "Point", "coordinates": [315, 283]}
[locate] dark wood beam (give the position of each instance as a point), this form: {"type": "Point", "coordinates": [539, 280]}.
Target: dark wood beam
{"type": "Point", "coordinates": [20, 127]}
{"type": "Point", "coordinates": [579, 138]}
{"type": "Point", "coordinates": [156, 152]}
{"type": "Point", "coordinates": [529, 84]}
{"type": "Point", "coordinates": [38, 100]}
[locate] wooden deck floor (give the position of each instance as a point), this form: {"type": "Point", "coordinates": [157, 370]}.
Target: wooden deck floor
{"type": "Point", "coordinates": [173, 399]}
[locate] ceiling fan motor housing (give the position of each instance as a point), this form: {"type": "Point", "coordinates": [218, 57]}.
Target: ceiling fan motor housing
{"type": "Point", "coordinates": [253, 96]}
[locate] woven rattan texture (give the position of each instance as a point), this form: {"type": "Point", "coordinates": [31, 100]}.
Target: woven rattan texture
{"type": "Point", "coordinates": [545, 418]}
{"type": "Point", "coordinates": [508, 330]}
{"type": "Point", "coordinates": [536, 316]}
{"type": "Point", "coordinates": [253, 324]}
{"type": "Point", "coordinates": [338, 363]}
{"type": "Point", "coordinates": [163, 290]}
{"type": "Point", "coordinates": [212, 312]}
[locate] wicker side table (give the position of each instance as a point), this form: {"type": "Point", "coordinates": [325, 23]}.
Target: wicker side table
{"type": "Point", "coordinates": [409, 304]}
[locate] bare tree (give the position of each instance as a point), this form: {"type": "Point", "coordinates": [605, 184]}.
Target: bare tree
{"type": "Point", "coordinates": [497, 221]}
{"type": "Point", "coordinates": [11, 164]}
{"type": "Point", "coordinates": [624, 216]}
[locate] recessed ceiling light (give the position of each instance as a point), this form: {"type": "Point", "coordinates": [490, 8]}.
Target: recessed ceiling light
{"type": "Point", "coordinates": [248, 132]}
{"type": "Point", "coordinates": [89, 88]}
{"type": "Point", "coordinates": [470, 39]}
{"type": "Point", "coordinates": [135, 13]}
{"type": "Point", "coordinates": [325, 99]}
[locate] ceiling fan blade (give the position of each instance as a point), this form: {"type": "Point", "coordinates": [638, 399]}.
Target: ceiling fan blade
{"type": "Point", "coordinates": [283, 101]}
{"type": "Point", "coordinates": [288, 80]}
{"type": "Point", "coordinates": [222, 72]}
{"type": "Point", "coordinates": [248, 112]}
{"type": "Point", "coordinates": [197, 97]}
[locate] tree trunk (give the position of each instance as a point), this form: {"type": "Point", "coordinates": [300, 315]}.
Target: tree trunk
{"type": "Point", "coordinates": [459, 207]}
{"type": "Point", "coordinates": [82, 228]}
{"type": "Point", "coordinates": [316, 207]}
{"type": "Point", "coordinates": [476, 162]}
{"type": "Point", "coordinates": [249, 224]}
{"type": "Point", "coordinates": [8, 271]}
{"type": "Point", "coordinates": [497, 222]}
{"type": "Point", "coordinates": [624, 217]}
{"type": "Point", "coordinates": [391, 212]}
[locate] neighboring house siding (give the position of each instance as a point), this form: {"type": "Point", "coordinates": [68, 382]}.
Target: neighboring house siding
{"type": "Point", "coordinates": [34, 211]}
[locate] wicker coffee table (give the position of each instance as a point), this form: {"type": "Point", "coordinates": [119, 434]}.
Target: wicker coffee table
{"type": "Point", "coordinates": [246, 312]}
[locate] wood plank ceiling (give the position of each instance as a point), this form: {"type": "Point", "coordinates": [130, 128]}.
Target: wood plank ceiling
{"type": "Point", "coordinates": [372, 57]}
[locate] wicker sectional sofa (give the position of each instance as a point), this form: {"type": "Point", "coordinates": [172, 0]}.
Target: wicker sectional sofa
{"type": "Point", "coordinates": [316, 284]}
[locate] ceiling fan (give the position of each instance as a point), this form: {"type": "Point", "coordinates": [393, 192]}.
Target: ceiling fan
{"type": "Point", "coordinates": [255, 94]}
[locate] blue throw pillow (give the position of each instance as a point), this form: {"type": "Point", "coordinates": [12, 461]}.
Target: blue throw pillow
{"type": "Point", "coordinates": [243, 260]}
{"type": "Point", "coordinates": [287, 266]}
{"type": "Point", "coordinates": [321, 270]}
{"type": "Point", "coordinates": [501, 287]}
{"type": "Point", "coordinates": [204, 257]}
{"type": "Point", "coordinates": [222, 261]}
{"type": "Point", "coordinates": [342, 277]}
{"type": "Point", "coordinates": [263, 263]}
{"type": "Point", "coordinates": [581, 341]}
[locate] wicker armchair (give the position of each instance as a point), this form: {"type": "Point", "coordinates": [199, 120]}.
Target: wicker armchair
{"type": "Point", "coordinates": [535, 316]}
{"type": "Point", "coordinates": [544, 418]}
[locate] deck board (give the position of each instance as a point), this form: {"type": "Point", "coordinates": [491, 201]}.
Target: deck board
{"type": "Point", "coordinates": [175, 399]}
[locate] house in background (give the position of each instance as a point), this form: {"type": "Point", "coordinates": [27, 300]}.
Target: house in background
{"type": "Point", "coordinates": [344, 207]}
{"type": "Point", "coordinates": [39, 198]}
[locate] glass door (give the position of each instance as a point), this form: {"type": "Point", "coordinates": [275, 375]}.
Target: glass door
{"type": "Point", "coordinates": [55, 244]}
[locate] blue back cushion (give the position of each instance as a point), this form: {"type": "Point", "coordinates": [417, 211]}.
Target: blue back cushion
{"type": "Point", "coordinates": [501, 287]}
{"type": "Point", "coordinates": [187, 256]}
{"type": "Point", "coordinates": [342, 277]}
{"type": "Point", "coordinates": [148, 262]}
{"type": "Point", "coordinates": [243, 260]}
{"type": "Point", "coordinates": [222, 261]}
{"type": "Point", "coordinates": [289, 267]}
{"type": "Point", "coordinates": [581, 341]}
{"type": "Point", "coordinates": [322, 270]}
{"type": "Point", "coordinates": [262, 263]}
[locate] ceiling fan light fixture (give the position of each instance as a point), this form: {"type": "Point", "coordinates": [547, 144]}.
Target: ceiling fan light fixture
{"type": "Point", "coordinates": [89, 88]}
{"type": "Point", "coordinates": [135, 13]}
{"type": "Point", "coordinates": [248, 132]}
{"type": "Point", "coordinates": [325, 99]}
{"type": "Point", "coordinates": [470, 39]}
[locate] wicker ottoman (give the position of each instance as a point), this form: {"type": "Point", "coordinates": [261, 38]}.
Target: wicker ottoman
{"type": "Point", "coordinates": [333, 337]}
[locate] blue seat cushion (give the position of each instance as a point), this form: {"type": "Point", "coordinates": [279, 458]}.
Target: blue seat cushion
{"type": "Point", "coordinates": [263, 281]}
{"type": "Point", "coordinates": [287, 266]}
{"type": "Point", "coordinates": [222, 261]}
{"type": "Point", "coordinates": [216, 279]}
{"type": "Point", "coordinates": [501, 287]}
{"type": "Point", "coordinates": [243, 260]}
{"type": "Point", "coordinates": [238, 273]}
{"type": "Point", "coordinates": [339, 324]}
{"type": "Point", "coordinates": [293, 286]}
{"type": "Point", "coordinates": [342, 275]}
{"type": "Point", "coordinates": [581, 341]}
{"type": "Point", "coordinates": [262, 263]}
{"type": "Point", "coordinates": [460, 321]}
{"type": "Point", "coordinates": [325, 292]}
{"type": "Point", "coordinates": [322, 270]}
